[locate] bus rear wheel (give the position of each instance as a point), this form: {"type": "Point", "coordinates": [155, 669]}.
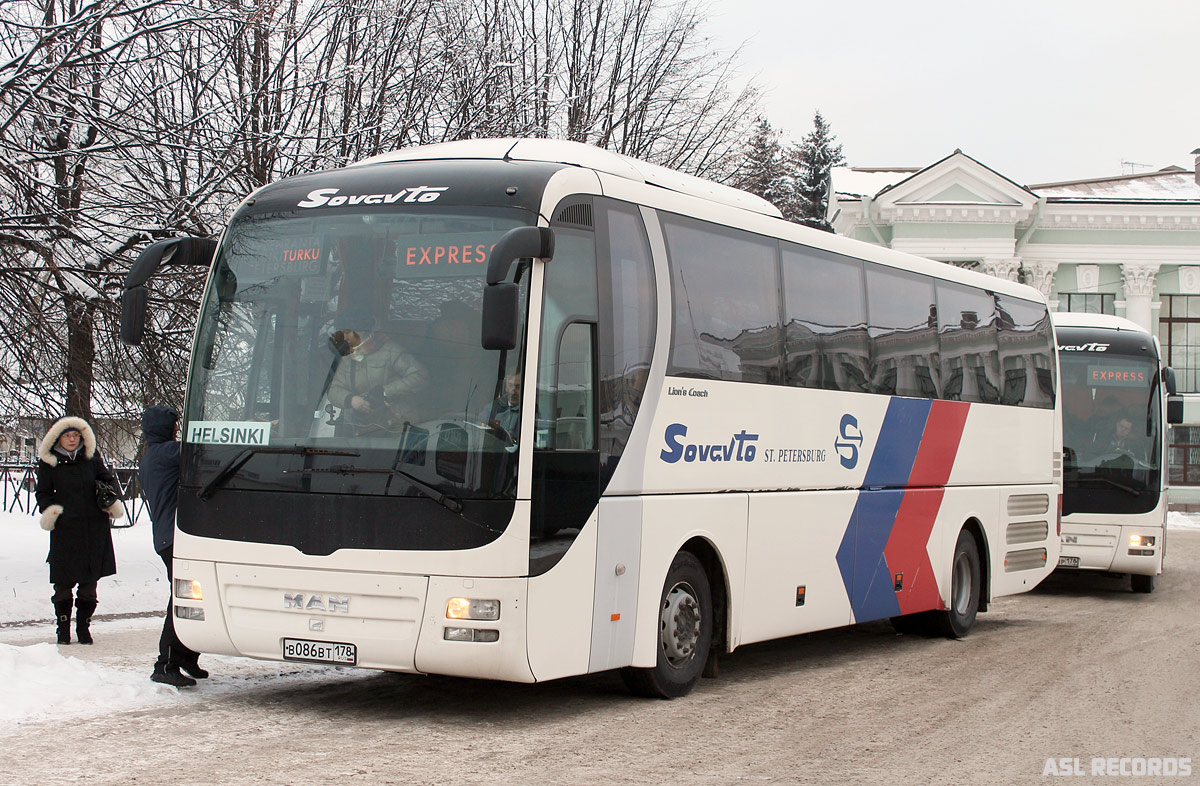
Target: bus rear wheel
{"type": "Point", "coordinates": [966, 584]}
{"type": "Point", "coordinates": [685, 627]}
{"type": "Point", "coordinates": [1141, 583]}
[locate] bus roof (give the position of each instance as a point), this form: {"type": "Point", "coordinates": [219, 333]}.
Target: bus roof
{"type": "Point", "coordinates": [1082, 320]}
{"type": "Point", "coordinates": [757, 214]}
{"type": "Point", "coordinates": [558, 151]}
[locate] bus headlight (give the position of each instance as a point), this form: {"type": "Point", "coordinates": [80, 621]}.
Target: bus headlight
{"type": "Point", "coordinates": [189, 613]}
{"type": "Point", "coordinates": [188, 589]}
{"type": "Point", "coordinates": [1136, 541]}
{"type": "Point", "coordinates": [471, 634]}
{"type": "Point", "coordinates": [472, 609]}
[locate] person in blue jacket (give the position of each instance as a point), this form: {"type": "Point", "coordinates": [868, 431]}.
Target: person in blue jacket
{"type": "Point", "coordinates": [159, 477]}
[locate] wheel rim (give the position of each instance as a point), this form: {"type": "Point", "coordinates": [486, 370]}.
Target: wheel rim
{"type": "Point", "coordinates": [961, 589]}
{"type": "Point", "coordinates": [679, 625]}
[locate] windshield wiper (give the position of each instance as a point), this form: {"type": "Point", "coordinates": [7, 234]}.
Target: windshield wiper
{"type": "Point", "coordinates": [449, 503]}
{"type": "Point", "coordinates": [238, 461]}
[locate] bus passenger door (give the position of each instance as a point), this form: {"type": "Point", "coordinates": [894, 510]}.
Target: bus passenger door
{"type": "Point", "coordinates": [566, 456]}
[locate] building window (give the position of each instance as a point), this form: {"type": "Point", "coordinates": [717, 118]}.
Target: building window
{"type": "Point", "coordinates": [1179, 334]}
{"type": "Point", "coordinates": [1184, 457]}
{"type": "Point", "coordinates": [1087, 302]}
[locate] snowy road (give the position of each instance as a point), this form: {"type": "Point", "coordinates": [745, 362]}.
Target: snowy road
{"type": "Point", "coordinates": [1080, 668]}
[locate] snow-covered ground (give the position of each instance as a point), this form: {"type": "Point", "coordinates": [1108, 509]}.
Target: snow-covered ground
{"type": "Point", "coordinates": [40, 681]}
{"type": "Point", "coordinates": [139, 586]}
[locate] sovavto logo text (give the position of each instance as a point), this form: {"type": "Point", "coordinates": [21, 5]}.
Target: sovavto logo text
{"type": "Point", "coordinates": [849, 439]}
{"type": "Point", "coordinates": [329, 197]}
{"type": "Point", "coordinates": [1092, 347]}
{"type": "Point", "coordinates": [741, 447]}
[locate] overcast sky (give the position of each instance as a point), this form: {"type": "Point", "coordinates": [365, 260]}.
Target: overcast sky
{"type": "Point", "coordinates": [1039, 90]}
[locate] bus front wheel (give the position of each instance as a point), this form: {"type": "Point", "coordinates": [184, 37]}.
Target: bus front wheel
{"type": "Point", "coordinates": [1140, 583]}
{"type": "Point", "coordinates": [685, 627]}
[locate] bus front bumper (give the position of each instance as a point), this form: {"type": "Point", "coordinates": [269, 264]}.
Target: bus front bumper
{"type": "Point", "coordinates": [1114, 548]}
{"type": "Point", "coordinates": [376, 621]}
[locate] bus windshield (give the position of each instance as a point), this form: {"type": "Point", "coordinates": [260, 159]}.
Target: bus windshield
{"type": "Point", "coordinates": [343, 352]}
{"type": "Point", "coordinates": [1111, 432]}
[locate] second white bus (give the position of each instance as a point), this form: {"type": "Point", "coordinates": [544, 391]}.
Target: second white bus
{"type": "Point", "coordinates": [1115, 393]}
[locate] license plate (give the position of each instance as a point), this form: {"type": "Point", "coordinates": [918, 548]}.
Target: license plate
{"type": "Point", "coordinates": [320, 651]}
{"type": "Point", "coordinates": [1068, 562]}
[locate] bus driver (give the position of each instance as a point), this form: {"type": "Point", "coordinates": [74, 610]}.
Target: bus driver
{"type": "Point", "coordinates": [377, 381]}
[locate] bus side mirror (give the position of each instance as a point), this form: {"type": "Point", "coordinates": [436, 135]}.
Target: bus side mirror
{"type": "Point", "coordinates": [500, 310]}
{"type": "Point", "coordinates": [501, 304]}
{"type": "Point", "coordinates": [173, 251]}
{"type": "Point", "coordinates": [1174, 400]}
{"type": "Point", "coordinates": [1174, 410]}
{"type": "Point", "coordinates": [133, 315]}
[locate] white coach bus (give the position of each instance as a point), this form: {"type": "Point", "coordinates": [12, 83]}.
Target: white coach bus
{"type": "Point", "coordinates": [640, 421]}
{"type": "Point", "coordinates": [1114, 387]}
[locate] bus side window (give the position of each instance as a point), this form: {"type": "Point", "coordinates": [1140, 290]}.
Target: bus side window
{"type": "Point", "coordinates": [1026, 352]}
{"type": "Point", "coordinates": [726, 292]}
{"type": "Point", "coordinates": [574, 405]}
{"type": "Point", "coordinates": [825, 320]}
{"type": "Point", "coordinates": [902, 308]}
{"type": "Point", "coordinates": [967, 344]}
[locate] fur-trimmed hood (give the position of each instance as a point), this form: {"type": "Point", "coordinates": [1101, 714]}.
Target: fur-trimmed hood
{"type": "Point", "coordinates": [45, 450]}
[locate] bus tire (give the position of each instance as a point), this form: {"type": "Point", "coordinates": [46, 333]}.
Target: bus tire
{"type": "Point", "coordinates": [966, 584]}
{"type": "Point", "coordinates": [1141, 583]}
{"type": "Point", "coordinates": [685, 629]}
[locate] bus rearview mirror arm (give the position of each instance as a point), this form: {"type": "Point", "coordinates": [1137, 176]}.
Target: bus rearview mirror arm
{"type": "Point", "coordinates": [501, 299]}
{"type": "Point", "coordinates": [172, 251]}
{"type": "Point", "coordinates": [519, 243]}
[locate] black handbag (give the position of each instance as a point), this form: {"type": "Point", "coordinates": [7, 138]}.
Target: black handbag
{"type": "Point", "coordinates": [106, 495]}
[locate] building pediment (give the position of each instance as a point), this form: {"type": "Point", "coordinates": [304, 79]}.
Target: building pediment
{"type": "Point", "coordinates": [957, 189]}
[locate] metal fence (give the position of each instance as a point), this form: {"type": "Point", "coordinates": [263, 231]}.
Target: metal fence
{"type": "Point", "coordinates": [20, 481]}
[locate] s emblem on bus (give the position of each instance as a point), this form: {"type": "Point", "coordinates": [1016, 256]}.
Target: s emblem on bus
{"type": "Point", "coordinates": [848, 441]}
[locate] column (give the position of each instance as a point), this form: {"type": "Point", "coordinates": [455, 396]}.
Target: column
{"type": "Point", "coordinates": [1139, 294]}
{"type": "Point", "coordinates": [1006, 268]}
{"type": "Point", "coordinates": [1040, 276]}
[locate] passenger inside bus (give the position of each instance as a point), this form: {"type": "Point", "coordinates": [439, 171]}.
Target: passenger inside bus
{"type": "Point", "coordinates": [504, 414]}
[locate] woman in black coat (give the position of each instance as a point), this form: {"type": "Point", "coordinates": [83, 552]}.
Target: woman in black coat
{"type": "Point", "coordinates": [81, 549]}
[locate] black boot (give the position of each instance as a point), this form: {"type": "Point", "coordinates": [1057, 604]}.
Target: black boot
{"type": "Point", "coordinates": [83, 618]}
{"type": "Point", "coordinates": [62, 615]}
{"type": "Point", "coordinates": [170, 675]}
{"type": "Point", "coordinates": [194, 669]}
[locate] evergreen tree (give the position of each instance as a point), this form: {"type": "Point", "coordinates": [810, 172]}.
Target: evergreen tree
{"type": "Point", "coordinates": [760, 172]}
{"type": "Point", "coordinates": [811, 163]}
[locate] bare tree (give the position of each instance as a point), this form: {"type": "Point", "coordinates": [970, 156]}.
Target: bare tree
{"type": "Point", "coordinates": [56, 115]}
{"type": "Point", "coordinates": [126, 120]}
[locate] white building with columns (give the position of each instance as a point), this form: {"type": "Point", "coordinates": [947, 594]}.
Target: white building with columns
{"type": "Point", "coordinates": [1127, 245]}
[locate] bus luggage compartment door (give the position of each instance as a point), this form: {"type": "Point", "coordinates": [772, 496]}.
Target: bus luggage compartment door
{"type": "Point", "coordinates": [314, 613]}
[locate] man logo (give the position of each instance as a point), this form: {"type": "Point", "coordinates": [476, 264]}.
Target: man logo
{"type": "Point", "coordinates": [848, 442]}
{"type": "Point", "coordinates": [329, 603]}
